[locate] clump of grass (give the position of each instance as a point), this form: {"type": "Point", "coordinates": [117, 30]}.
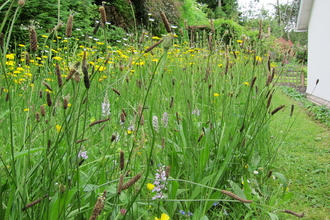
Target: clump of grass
{"type": "Point", "coordinates": [319, 112]}
{"type": "Point", "coordinates": [210, 129]}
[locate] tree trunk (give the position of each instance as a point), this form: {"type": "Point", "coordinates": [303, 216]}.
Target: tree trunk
{"type": "Point", "coordinates": [219, 4]}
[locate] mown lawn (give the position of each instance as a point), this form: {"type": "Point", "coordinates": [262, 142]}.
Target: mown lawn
{"type": "Point", "coordinates": [304, 158]}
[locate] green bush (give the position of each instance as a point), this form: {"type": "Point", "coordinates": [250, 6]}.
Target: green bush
{"type": "Point", "coordinates": [45, 15]}
{"type": "Point", "coordinates": [192, 14]}
{"type": "Point", "coordinates": [228, 30]}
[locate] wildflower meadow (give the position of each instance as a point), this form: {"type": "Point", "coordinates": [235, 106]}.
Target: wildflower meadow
{"type": "Point", "coordinates": [152, 127]}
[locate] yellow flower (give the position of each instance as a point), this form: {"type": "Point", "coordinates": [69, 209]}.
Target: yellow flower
{"type": "Point", "coordinates": [150, 186]}
{"type": "Point", "coordinates": [216, 94]}
{"type": "Point", "coordinates": [21, 45]}
{"type": "Point", "coordinates": [155, 38]}
{"type": "Point", "coordinates": [258, 58]}
{"type": "Point", "coordinates": [163, 217]}
{"type": "Point", "coordinates": [239, 41]}
{"type": "Point", "coordinates": [10, 56]}
{"type": "Point", "coordinates": [57, 58]}
{"type": "Point", "coordinates": [102, 68]}
{"type": "Point", "coordinates": [26, 110]}
{"type": "Point", "coordinates": [246, 83]}
{"type": "Point", "coordinates": [44, 36]}
{"type": "Point", "coordinates": [129, 132]}
{"type": "Point", "coordinates": [58, 128]}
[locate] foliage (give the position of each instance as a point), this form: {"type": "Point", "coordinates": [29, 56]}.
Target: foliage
{"type": "Point", "coordinates": [45, 14]}
{"type": "Point", "coordinates": [192, 14]}
{"type": "Point", "coordinates": [228, 8]}
{"type": "Point", "coordinates": [95, 129]}
{"type": "Point", "coordinates": [319, 112]}
{"type": "Point", "coordinates": [229, 30]}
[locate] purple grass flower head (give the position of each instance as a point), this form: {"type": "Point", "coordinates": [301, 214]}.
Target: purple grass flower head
{"type": "Point", "coordinates": [160, 183]}
{"type": "Point", "coordinates": [155, 123]}
{"type": "Point", "coordinates": [196, 112]}
{"type": "Point", "coordinates": [105, 106]}
{"type": "Point", "coordinates": [82, 154]}
{"type": "Point", "coordinates": [165, 119]}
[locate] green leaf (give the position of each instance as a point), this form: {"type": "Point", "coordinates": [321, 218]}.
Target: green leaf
{"type": "Point", "coordinates": [238, 191]}
{"type": "Point", "coordinates": [209, 204]}
{"type": "Point", "coordinates": [273, 216]}
{"type": "Point", "coordinates": [283, 180]}
{"type": "Point", "coordinates": [25, 152]}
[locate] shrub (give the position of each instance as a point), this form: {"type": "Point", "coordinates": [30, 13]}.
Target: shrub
{"type": "Point", "coordinates": [228, 30]}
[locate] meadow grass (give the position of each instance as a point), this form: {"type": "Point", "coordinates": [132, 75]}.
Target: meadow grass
{"type": "Point", "coordinates": [98, 131]}
{"type": "Point", "coordinates": [304, 158]}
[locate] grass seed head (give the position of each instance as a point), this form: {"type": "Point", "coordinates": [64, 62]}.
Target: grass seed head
{"type": "Point", "coordinates": [295, 214]}
{"type": "Point", "coordinates": [122, 160]}
{"type": "Point", "coordinates": [37, 116]}
{"type": "Point", "coordinates": [120, 183]}
{"type": "Point", "coordinates": [65, 103]}
{"type": "Point", "coordinates": [166, 23]}
{"type": "Point", "coordinates": [27, 58]}
{"type": "Point", "coordinates": [98, 207]}
{"type": "Point", "coordinates": [49, 100]}
{"type": "Point", "coordinates": [42, 110]}
{"type": "Point", "coordinates": [103, 16]}
{"type": "Point", "coordinates": [21, 3]}
{"type": "Point", "coordinates": [234, 196]}
{"type": "Point", "coordinates": [86, 77]}
{"type": "Point", "coordinates": [69, 25]}
{"type": "Point", "coordinates": [33, 39]}
{"type": "Point", "coordinates": [48, 86]}
{"type": "Point", "coordinates": [131, 182]}
{"type": "Point", "coordinates": [277, 109]}
{"type": "Point", "coordinates": [2, 37]}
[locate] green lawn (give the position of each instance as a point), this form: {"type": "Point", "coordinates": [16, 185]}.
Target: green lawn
{"type": "Point", "coordinates": [304, 158]}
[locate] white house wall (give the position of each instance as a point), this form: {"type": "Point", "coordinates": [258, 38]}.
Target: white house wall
{"type": "Point", "coordinates": [319, 50]}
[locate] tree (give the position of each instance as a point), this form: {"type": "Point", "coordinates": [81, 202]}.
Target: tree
{"type": "Point", "coordinates": [224, 8]}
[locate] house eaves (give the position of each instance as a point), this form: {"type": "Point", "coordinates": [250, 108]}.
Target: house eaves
{"type": "Point", "coordinates": [305, 10]}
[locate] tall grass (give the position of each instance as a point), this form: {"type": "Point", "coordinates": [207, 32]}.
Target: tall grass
{"type": "Point", "coordinates": [97, 131]}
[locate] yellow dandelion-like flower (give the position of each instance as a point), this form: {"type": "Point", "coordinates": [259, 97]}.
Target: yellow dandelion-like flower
{"type": "Point", "coordinates": [163, 217]}
{"type": "Point", "coordinates": [129, 132]}
{"type": "Point", "coordinates": [150, 186]}
{"type": "Point", "coordinates": [216, 94]}
{"type": "Point", "coordinates": [26, 110]}
{"type": "Point", "coordinates": [258, 58]}
{"type": "Point", "coordinates": [21, 45]}
{"type": "Point", "coordinates": [57, 58]}
{"type": "Point", "coordinates": [102, 68]}
{"type": "Point", "coordinates": [10, 56]}
{"type": "Point", "coordinates": [246, 83]}
{"type": "Point", "coordinates": [58, 128]}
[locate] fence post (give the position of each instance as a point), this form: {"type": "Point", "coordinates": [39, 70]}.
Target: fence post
{"type": "Point", "coordinates": [302, 78]}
